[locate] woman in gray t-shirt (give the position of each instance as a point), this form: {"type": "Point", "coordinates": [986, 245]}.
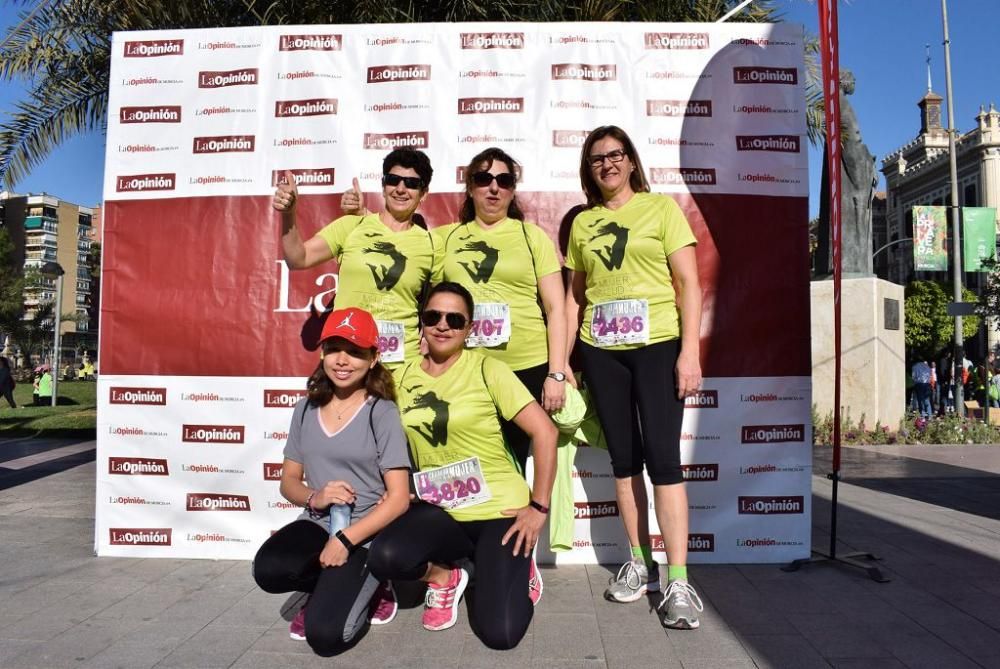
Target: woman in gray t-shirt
{"type": "Point", "coordinates": [345, 451]}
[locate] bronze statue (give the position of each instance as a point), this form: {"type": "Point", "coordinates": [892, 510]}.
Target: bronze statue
{"type": "Point", "coordinates": [858, 182]}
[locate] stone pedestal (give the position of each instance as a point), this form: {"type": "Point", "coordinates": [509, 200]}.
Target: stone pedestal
{"type": "Point", "coordinates": [873, 357]}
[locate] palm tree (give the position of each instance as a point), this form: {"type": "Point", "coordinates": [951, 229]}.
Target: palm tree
{"type": "Point", "coordinates": [61, 48]}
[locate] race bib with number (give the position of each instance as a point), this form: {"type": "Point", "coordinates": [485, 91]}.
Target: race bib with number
{"type": "Point", "coordinates": [390, 341]}
{"type": "Point", "coordinates": [620, 322]}
{"type": "Point", "coordinates": [453, 486]}
{"type": "Point", "coordinates": [490, 325]}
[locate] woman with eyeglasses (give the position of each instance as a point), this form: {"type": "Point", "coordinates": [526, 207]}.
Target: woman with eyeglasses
{"type": "Point", "coordinates": [386, 258]}
{"type": "Point", "coordinates": [511, 268]}
{"type": "Point", "coordinates": [473, 502]}
{"type": "Point", "coordinates": [637, 338]}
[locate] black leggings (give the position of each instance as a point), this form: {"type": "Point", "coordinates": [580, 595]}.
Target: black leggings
{"type": "Point", "coordinates": [500, 610]}
{"type": "Point", "coordinates": [518, 440]}
{"type": "Point", "coordinates": [338, 608]}
{"type": "Point", "coordinates": [635, 392]}
{"type": "Point", "coordinates": [9, 396]}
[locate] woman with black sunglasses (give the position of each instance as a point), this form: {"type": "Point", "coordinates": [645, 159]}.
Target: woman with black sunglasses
{"type": "Point", "coordinates": [386, 258]}
{"type": "Point", "coordinates": [474, 504]}
{"type": "Point", "coordinates": [512, 270]}
{"type": "Point", "coordinates": [639, 340]}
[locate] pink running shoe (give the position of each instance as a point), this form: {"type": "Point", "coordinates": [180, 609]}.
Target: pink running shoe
{"type": "Point", "coordinates": [383, 604]}
{"type": "Point", "coordinates": [297, 628]}
{"type": "Point", "coordinates": [534, 583]}
{"type": "Point", "coordinates": [441, 602]}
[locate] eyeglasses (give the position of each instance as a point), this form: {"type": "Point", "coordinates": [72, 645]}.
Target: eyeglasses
{"type": "Point", "coordinates": [597, 159]}
{"type": "Point", "coordinates": [431, 317]}
{"type": "Point", "coordinates": [392, 180]}
{"type": "Point", "coordinates": [505, 180]}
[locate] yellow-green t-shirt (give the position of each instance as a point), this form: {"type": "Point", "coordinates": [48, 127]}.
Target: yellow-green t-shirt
{"type": "Point", "coordinates": [624, 254]}
{"type": "Point", "coordinates": [502, 264]}
{"type": "Point", "coordinates": [456, 416]}
{"type": "Point", "coordinates": [382, 271]}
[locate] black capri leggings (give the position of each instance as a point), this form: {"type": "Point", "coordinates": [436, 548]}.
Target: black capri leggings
{"type": "Point", "coordinates": [500, 609]}
{"type": "Point", "coordinates": [635, 392]}
{"type": "Point", "coordinates": [517, 439]}
{"type": "Point", "coordinates": [338, 608]}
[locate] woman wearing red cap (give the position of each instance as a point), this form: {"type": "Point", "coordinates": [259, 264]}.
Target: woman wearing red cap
{"type": "Point", "coordinates": [345, 452]}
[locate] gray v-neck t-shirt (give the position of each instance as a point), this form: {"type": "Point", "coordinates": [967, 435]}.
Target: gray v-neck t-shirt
{"type": "Point", "coordinates": [359, 453]}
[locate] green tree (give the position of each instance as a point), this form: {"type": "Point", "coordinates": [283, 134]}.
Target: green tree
{"type": "Point", "coordinates": [11, 283]}
{"type": "Point", "coordinates": [929, 329]}
{"type": "Point", "coordinates": [60, 50]}
{"type": "Point", "coordinates": [989, 301]}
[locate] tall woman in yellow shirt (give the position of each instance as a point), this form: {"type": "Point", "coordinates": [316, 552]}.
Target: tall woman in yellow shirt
{"type": "Point", "coordinates": [511, 268]}
{"type": "Point", "coordinates": [639, 343]}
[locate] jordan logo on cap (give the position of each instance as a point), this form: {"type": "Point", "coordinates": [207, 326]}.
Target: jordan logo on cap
{"type": "Point", "coordinates": [346, 323]}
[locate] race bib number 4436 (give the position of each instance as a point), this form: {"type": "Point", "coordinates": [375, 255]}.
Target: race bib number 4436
{"type": "Point", "coordinates": [620, 322]}
{"type": "Point", "coordinates": [453, 486]}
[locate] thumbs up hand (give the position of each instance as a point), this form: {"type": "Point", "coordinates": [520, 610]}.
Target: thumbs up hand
{"type": "Point", "coordinates": [353, 200]}
{"type": "Point", "coordinates": [286, 195]}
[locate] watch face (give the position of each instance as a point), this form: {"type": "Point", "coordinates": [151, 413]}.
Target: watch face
{"type": "Point", "coordinates": [558, 376]}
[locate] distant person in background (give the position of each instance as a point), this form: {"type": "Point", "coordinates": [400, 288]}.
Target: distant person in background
{"type": "Point", "coordinates": [935, 389]}
{"type": "Point", "coordinates": [980, 383]}
{"type": "Point", "coordinates": [946, 380]}
{"type": "Point", "coordinates": [921, 375]}
{"type": "Point", "coordinates": [7, 383]}
{"type": "Point", "coordinates": [994, 389]}
{"type": "Point", "coordinates": [45, 387]}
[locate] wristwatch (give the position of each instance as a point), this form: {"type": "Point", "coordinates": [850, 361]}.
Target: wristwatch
{"type": "Point", "coordinates": [344, 540]}
{"type": "Point", "coordinates": [558, 376]}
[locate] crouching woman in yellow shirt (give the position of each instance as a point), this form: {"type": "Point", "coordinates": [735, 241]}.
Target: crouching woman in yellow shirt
{"type": "Point", "coordinates": [474, 503]}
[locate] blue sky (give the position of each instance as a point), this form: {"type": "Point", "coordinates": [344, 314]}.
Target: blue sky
{"type": "Point", "coordinates": [882, 42]}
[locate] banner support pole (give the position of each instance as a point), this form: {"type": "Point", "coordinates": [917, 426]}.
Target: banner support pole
{"type": "Point", "coordinates": [831, 95]}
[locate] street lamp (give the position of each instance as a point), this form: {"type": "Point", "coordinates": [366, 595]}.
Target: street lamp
{"type": "Point", "coordinates": [53, 270]}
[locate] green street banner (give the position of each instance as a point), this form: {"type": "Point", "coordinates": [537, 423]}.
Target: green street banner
{"type": "Point", "coordinates": [979, 236]}
{"type": "Point", "coordinates": [930, 239]}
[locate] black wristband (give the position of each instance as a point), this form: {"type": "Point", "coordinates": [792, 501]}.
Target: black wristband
{"type": "Point", "coordinates": [344, 540]}
{"type": "Point", "coordinates": [538, 507]}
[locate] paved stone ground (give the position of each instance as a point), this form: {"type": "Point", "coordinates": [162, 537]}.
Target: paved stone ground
{"type": "Point", "coordinates": [931, 513]}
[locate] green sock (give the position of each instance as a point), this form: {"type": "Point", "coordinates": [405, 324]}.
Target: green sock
{"type": "Point", "coordinates": [675, 572]}
{"type": "Point", "coordinates": [645, 552]}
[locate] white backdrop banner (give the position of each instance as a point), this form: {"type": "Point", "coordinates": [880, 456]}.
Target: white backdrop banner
{"type": "Point", "coordinates": [201, 357]}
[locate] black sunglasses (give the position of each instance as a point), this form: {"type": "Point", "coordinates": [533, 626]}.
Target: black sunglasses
{"type": "Point", "coordinates": [392, 180]}
{"type": "Point", "coordinates": [431, 317]}
{"type": "Point", "coordinates": [505, 180]}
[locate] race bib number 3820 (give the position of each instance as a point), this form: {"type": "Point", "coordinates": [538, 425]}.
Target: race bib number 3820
{"type": "Point", "coordinates": [453, 486]}
{"type": "Point", "coordinates": [620, 322]}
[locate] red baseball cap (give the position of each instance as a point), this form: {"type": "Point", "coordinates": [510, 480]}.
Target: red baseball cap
{"type": "Point", "coordinates": [355, 325]}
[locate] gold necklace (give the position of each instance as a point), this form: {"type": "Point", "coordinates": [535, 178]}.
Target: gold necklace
{"type": "Point", "coordinates": [347, 404]}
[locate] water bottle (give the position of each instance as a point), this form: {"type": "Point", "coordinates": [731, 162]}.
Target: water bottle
{"type": "Point", "coordinates": [340, 517]}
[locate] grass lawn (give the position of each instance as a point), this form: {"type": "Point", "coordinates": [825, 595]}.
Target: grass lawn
{"type": "Point", "coordinates": [75, 416]}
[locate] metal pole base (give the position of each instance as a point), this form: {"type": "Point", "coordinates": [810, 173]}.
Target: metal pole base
{"type": "Point", "coordinates": [850, 560]}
